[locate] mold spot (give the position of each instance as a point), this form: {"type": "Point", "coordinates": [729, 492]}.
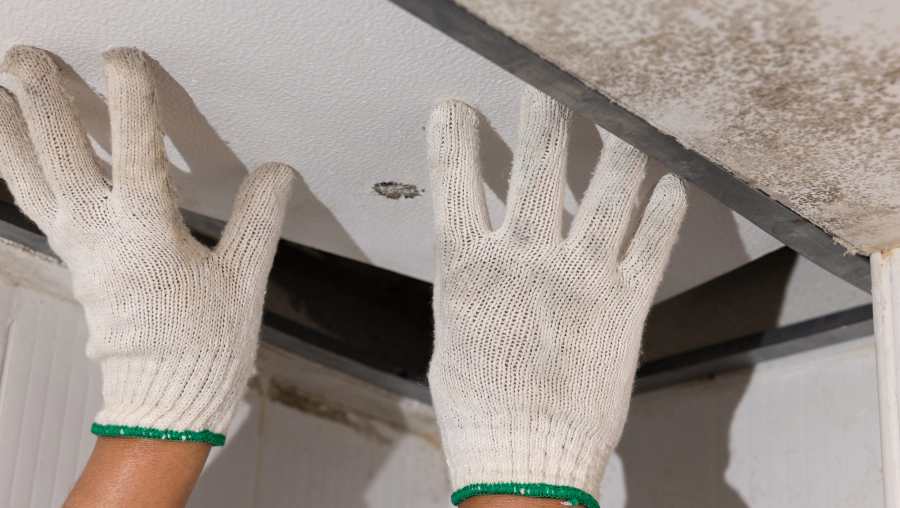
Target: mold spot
{"type": "Point", "coordinates": [395, 190]}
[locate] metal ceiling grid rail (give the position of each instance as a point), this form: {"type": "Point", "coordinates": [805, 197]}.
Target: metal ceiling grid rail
{"type": "Point", "coordinates": [784, 224]}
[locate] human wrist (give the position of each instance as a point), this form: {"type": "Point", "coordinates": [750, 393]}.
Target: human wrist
{"type": "Point", "coordinates": [507, 492]}
{"type": "Point", "coordinates": [506, 501]}
{"type": "Point", "coordinates": [128, 472]}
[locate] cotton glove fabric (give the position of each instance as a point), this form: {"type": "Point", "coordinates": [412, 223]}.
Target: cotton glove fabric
{"type": "Point", "coordinates": [173, 323]}
{"type": "Point", "coordinates": [537, 336]}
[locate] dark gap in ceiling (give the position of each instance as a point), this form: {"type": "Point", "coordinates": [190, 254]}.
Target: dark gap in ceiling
{"type": "Point", "coordinates": [741, 302]}
{"type": "Point", "coordinates": [374, 316]}
{"type": "Point", "coordinates": [383, 319]}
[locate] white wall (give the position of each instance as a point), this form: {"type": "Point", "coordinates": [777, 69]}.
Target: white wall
{"type": "Point", "coordinates": [292, 446]}
{"type": "Point", "coordinates": [801, 431]}
{"type": "Point", "coordinates": [49, 392]}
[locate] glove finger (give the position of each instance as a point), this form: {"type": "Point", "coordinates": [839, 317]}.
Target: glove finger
{"type": "Point", "coordinates": [649, 250]}
{"type": "Point", "coordinates": [19, 165]}
{"type": "Point", "coordinates": [602, 218]}
{"type": "Point", "coordinates": [534, 208]}
{"type": "Point", "coordinates": [251, 236]}
{"type": "Point", "coordinates": [141, 175]}
{"type": "Point", "coordinates": [453, 161]}
{"type": "Point", "coordinates": [63, 150]}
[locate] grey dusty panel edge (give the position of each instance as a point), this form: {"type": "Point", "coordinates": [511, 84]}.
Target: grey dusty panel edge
{"type": "Point", "coordinates": [279, 332]}
{"type": "Point", "coordinates": [799, 234]}
{"type": "Point", "coordinates": [17, 228]}
{"type": "Point", "coordinates": [310, 351]}
{"type": "Point", "coordinates": [26, 238]}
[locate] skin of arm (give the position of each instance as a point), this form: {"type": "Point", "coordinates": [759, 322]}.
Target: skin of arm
{"type": "Point", "coordinates": [132, 472]}
{"type": "Point", "coordinates": [491, 501]}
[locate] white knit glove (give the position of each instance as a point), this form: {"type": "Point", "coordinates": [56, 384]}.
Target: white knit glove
{"type": "Point", "coordinates": [173, 324]}
{"type": "Point", "coordinates": [537, 336]}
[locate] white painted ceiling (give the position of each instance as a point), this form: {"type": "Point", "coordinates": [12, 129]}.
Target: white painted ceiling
{"type": "Point", "coordinates": [341, 90]}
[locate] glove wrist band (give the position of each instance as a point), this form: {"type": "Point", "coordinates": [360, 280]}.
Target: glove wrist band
{"type": "Point", "coordinates": [167, 400]}
{"type": "Point", "coordinates": [575, 497]}
{"type": "Point", "coordinates": [204, 436]}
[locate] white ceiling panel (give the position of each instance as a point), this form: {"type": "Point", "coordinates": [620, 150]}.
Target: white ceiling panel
{"type": "Point", "coordinates": [340, 90]}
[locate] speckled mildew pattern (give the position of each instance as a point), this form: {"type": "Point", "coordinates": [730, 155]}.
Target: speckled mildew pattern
{"type": "Point", "coordinates": [798, 98]}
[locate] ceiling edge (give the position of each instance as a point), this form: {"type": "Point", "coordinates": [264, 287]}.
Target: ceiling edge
{"type": "Point", "coordinates": [774, 218]}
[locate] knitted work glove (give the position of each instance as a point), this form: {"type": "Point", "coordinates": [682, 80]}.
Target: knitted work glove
{"type": "Point", "coordinates": [173, 324]}
{"type": "Point", "coordinates": [537, 336]}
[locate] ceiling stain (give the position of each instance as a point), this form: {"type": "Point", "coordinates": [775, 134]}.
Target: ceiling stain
{"type": "Point", "coordinates": [291, 396]}
{"type": "Point", "coordinates": [802, 98]}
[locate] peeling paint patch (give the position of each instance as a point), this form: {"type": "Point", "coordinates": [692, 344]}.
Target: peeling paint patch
{"type": "Point", "coordinates": [394, 190]}
{"type": "Point", "coordinates": [777, 196]}
{"type": "Point", "coordinates": [849, 249]}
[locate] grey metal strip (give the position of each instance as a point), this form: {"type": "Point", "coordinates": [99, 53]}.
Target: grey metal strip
{"type": "Point", "coordinates": [769, 215]}
{"type": "Point", "coordinates": [21, 236]}
{"type": "Point", "coordinates": [735, 354]}
{"type": "Point", "coordinates": [730, 355]}
{"type": "Point", "coordinates": [390, 382]}
{"type": "Point", "coordinates": [748, 351]}
{"type": "Point", "coordinates": [293, 337]}
{"type": "Point", "coordinates": [203, 224]}
{"type": "Point", "coordinates": [15, 227]}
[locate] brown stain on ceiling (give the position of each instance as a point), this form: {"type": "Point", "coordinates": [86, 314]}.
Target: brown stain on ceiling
{"type": "Point", "coordinates": [289, 395]}
{"type": "Point", "coordinates": [798, 98]}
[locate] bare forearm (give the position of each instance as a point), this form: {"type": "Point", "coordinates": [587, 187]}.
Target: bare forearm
{"type": "Point", "coordinates": [492, 501]}
{"type": "Point", "coordinates": [128, 472]}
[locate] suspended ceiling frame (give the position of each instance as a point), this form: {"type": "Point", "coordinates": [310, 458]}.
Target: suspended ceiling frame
{"type": "Point", "coordinates": [774, 218]}
{"type": "Point", "coordinates": [781, 222]}
{"type": "Point", "coordinates": [289, 335]}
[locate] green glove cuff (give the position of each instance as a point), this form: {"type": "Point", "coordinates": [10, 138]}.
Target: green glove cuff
{"type": "Point", "coordinates": [576, 497]}
{"type": "Point", "coordinates": [205, 436]}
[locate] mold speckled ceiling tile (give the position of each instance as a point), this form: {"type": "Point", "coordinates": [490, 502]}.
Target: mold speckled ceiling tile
{"type": "Point", "coordinates": [798, 98]}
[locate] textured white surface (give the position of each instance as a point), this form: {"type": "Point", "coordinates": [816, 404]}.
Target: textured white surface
{"type": "Point", "coordinates": [340, 90]}
{"type": "Point", "coordinates": [798, 98]}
